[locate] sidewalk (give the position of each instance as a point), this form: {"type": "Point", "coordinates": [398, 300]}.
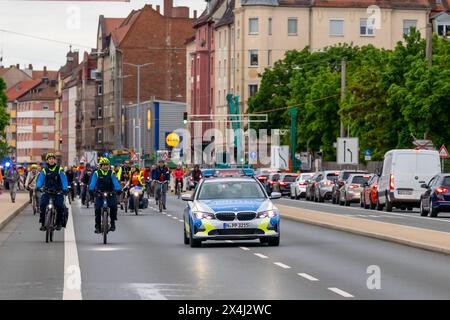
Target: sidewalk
{"type": "Point", "coordinates": [415, 237]}
{"type": "Point", "coordinates": [9, 210]}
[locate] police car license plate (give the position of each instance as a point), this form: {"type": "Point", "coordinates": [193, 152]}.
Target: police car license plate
{"type": "Point", "coordinates": [236, 225]}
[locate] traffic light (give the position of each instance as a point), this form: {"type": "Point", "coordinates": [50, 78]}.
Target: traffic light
{"type": "Point", "coordinates": [60, 140]}
{"type": "Point", "coordinates": [185, 117]}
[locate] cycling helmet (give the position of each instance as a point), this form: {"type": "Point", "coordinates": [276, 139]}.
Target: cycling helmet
{"type": "Point", "coordinates": [104, 161]}
{"type": "Point", "coordinates": [34, 166]}
{"type": "Point", "coordinates": [50, 155]}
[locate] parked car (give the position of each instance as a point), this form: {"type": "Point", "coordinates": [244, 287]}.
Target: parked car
{"type": "Point", "coordinates": [343, 176]}
{"type": "Point", "coordinates": [436, 197]}
{"type": "Point", "coordinates": [369, 193]}
{"type": "Point", "coordinates": [298, 187]}
{"type": "Point", "coordinates": [351, 190]}
{"type": "Point", "coordinates": [310, 187]}
{"type": "Point", "coordinates": [404, 173]}
{"type": "Point", "coordinates": [323, 189]}
{"type": "Point", "coordinates": [273, 178]}
{"type": "Point", "coordinates": [283, 185]}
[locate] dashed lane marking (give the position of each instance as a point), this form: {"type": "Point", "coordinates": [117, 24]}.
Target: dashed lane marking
{"type": "Point", "coordinates": [341, 292]}
{"type": "Point", "coordinates": [307, 276]}
{"type": "Point", "coordinates": [261, 255]}
{"type": "Point", "coordinates": [282, 265]}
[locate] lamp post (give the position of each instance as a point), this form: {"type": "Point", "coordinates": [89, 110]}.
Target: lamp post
{"type": "Point", "coordinates": [138, 104]}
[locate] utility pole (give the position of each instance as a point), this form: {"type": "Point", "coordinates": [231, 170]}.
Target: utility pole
{"type": "Point", "coordinates": [429, 44]}
{"type": "Point", "coordinates": [343, 90]}
{"type": "Point", "coordinates": [138, 104]}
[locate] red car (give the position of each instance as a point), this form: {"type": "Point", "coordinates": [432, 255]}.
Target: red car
{"type": "Point", "coordinates": [369, 193]}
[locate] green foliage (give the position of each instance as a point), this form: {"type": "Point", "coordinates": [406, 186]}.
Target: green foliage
{"type": "Point", "coordinates": [4, 116]}
{"type": "Point", "coordinates": [392, 95]}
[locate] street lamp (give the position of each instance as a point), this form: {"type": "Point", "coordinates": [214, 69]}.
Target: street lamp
{"type": "Point", "coordinates": [138, 106]}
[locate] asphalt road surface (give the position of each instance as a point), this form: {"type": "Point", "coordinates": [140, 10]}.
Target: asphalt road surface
{"type": "Point", "coordinates": [146, 259]}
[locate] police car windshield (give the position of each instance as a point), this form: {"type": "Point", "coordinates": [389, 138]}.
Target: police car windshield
{"type": "Point", "coordinates": [231, 190]}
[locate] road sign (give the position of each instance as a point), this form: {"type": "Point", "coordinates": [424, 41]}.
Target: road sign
{"type": "Point", "coordinates": [136, 157]}
{"type": "Point", "coordinates": [347, 151]}
{"type": "Point", "coordinates": [443, 152]}
{"type": "Point", "coordinates": [280, 157]}
{"type": "Point", "coordinates": [424, 145]}
{"type": "Point", "coordinates": [368, 152]}
{"type": "Point", "coordinates": [253, 155]}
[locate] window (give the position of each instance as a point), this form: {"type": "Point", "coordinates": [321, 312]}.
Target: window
{"type": "Point", "coordinates": [270, 26]}
{"type": "Point", "coordinates": [212, 64]}
{"type": "Point", "coordinates": [252, 89]}
{"type": "Point", "coordinates": [336, 27]}
{"type": "Point", "coordinates": [366, 27]}
{"type": "Point", "coordinates": [225, 68]}
{"type": "Point", "coordinates": [45, 106]}
{"type": "Point", "coordinates": [99, 135]}
{"type": "Point", "coordinates": [99, 112]}
{"type": "Point", "coordinates": [225, 39]}
{"type": "Point", "coordinates": [100, 89]}
{"type": "Point", "coordinates": [292, 26]}
{"type": "Point", "coordinates": [45, 136]}
{"type": "Point", "coordinates": [408, 24]}
{"type": "Point", "coordinates": [218, 70]}
{"type": "Point", "coordinates": [253, 26]}
{"type": "Point", "coordinates": [218, 97]}
{"type": "Point", "coordinates": [253, 58]}
{"type": "Point", "coordinates": [45, 122]}
{"type": "Point", "coordinates": [220, 39]}
{"type": "Point", "coordinates": [269, 57]}
{"type": "Point", "coordinates": [232, 65]}
{"type": "Point", "coordinates": [444, 30]}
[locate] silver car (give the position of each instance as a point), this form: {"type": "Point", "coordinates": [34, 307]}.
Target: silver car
{"type": "Point", "coordinates": [324, 187]}
{"type": "Point", "coordinates": [352, 188]}
{"type": "Point", "coordinates": [298, 187]}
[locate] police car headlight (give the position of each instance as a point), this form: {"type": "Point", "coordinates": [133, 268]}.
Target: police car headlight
{"type": "Point", "coordinates": [267, 214]}
{"type": "Point", "coordinates": [105, 194]}
{"type": "Point", "coordinates": [204, 215]}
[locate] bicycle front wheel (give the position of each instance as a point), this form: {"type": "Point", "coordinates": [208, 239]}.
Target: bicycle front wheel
{"type": "Point", "coordinates": [105, 225]}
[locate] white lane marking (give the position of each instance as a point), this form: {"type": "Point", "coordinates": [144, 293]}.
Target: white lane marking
{"type": "Point", "coordinates": [411, 215]}
{"type": "Point", "coordinates": [175, 218]}
{"type": "Point", "coordinates": [341, 292]}
{"type": "Point", "coordinates": [163, 213]}
{"type": "Point", "coordinates": [261, 255]}
{"type": "Point", "coordinates": [307, 276]}
{"type": "Point", "coordinates": [245, 248]}
{"type": "Point", "coordinates": [282, 265]}
{"type": "Point", "coordinates": [229, 241]}
{"type": "Point", "coordinates": [72, 271]}
{"type": "Point", "coordinates": [169, 215]}
{"type": "Point", "coordinates": [180, 220]}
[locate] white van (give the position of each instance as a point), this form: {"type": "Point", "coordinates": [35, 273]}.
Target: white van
{"type": "Point", "coordinates": [404, 171]}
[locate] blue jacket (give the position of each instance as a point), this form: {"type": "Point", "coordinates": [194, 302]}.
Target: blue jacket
{"type": "Point", "coordinates": [94, 178]}
{"type": "Point", "coordinates": [157, 172]}
{"type": "Point", "coordinates": [62, 175]}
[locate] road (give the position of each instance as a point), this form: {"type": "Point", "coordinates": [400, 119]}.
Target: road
{"type": "Point", "coordinates": [146, 259]}
{"type": "Point", "coordinates": [397, 216]}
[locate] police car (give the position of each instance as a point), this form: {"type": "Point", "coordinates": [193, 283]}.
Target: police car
{"type": "Point", "coordinates": [229, 208]}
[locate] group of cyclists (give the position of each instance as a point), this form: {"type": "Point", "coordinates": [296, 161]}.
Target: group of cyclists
{"type": "Point", "coordinates": [54, 181]}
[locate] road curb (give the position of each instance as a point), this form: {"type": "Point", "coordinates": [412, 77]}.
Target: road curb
{"type": "Point", "coordinates": [378, 236]}
{"type": "Point", "coordinates": [13, 215]}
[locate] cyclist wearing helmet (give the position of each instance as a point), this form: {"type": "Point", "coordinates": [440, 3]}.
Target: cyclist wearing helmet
{"type": "Point", "coordinates": [52, 178]}
{"type": "Point", "coordinates": [161, 174]}
{"type": "Point", "coordinates": [104, 180]}
{"type": "Point", "coordinates": [178, 174]}
{"type": "Point", "coordinates": [30, 183]}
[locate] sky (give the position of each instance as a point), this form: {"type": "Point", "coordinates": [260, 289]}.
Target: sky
{"type": "Point", "coordinates": [73, 22]}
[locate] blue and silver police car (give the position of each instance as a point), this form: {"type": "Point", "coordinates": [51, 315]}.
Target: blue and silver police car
{"type": "Point", "coordinates": [231, 208]}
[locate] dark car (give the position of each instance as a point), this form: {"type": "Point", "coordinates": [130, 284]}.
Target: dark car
{"type": "Point", "coordinates": [343, 176]}
{"type": "Point", "coordinates": [273, 178]}
{"type": "Point", "coordinates": [312, 185]}
{"type": "Point", "coordinates": [283, 185]}
{"type": "Point", "coordinates": [436, 197]}
{"type": "Point", "coordinates": [369, 194]}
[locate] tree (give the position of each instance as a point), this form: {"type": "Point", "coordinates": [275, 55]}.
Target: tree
{"type": "Point", "coordinates": [4, 120]}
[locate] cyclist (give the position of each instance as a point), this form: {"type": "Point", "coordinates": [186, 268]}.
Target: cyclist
{"type": "Point", "coordinates": [70, 179]}
{"type": "Point", "coordinates": [85, 178]}
{"type": "Point", "coordinates": [52, 178]}
{"type": "Point", "coordinates": [196, 174]}
{"type": "Point", "coordinates": [161, 174]}
{"type": "Point", "coordinates": [178, 174]}
{"type": "Point", "coordinates": [104, 180]}
{"type": "Point", "coordinates": [13, 179]}
{"type": "Point", "coordinates": [30, 183]}
{"type": "Point", "coordinates": [135, 179]}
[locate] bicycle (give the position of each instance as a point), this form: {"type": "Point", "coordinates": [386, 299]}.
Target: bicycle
{"type": "Point", "coordinates": [105, 224]}
{"type": "Point", "coordinates": [160, 195]}
{"type": "Point", "coordinates": [35, 201]}
{"type": "Point", "coordinates": [178, 188]}
{"type": "Point", "coordinates": [135, 193]}
{"type": "Point", "coordinates": [69, 195]}
{"type": "Point", "coordinates": [50, 216]}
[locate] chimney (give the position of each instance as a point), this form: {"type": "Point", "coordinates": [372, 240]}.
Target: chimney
{"type": "Point", "coordinates": [45, 72]}
{"type": "Point", "coordinates": [195, 14]}
{"type": "Point", "coordinates": [158, 8]}
{"type": "Point", "coordinates": [168, 5]}
{"type": "Point", "coordinates": [18, 66]}
{"type": "Point", "coordinates": [30, 66]}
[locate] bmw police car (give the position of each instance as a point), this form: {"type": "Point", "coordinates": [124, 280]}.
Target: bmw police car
{"type": "Point", "coordinates": [231, 208]}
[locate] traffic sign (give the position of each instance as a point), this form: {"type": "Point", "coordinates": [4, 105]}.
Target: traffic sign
{"type": "Point", "coordinates": [443, 152]}
{"type": "Point", "coordinates": [424, 145]}
{"type": "Point", "coordinates": [368, 152]}
{"type": "Point", "coordinates": [136, 157]}
{"type": "Point", "coordinates": [347, 151]}
{"type": "Point", "coordinates": [253, 155]}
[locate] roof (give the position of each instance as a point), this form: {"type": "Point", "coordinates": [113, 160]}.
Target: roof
{"type": "Point", "coordinates": [39, 74]}
{"type": "Point", "coordinates": [228, 16]}
{"type": "Point", "coordinates": [3, 71]}
{"type": "Point", "coordinates": [44, 91]}
{"type": "Point", "coordinates": [207, 16]}
{"type": "Point", "coordinates": [394, 4]}
{"type": "Point", "coordinates": [112, 24]}
{"type": "Point", "coordinates": [119, 33]}
{"type": "Point", "coordinates": [20, 89]}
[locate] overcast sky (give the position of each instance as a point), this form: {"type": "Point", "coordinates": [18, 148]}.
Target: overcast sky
{"type": "Point", "coordinates": [58, 20]}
